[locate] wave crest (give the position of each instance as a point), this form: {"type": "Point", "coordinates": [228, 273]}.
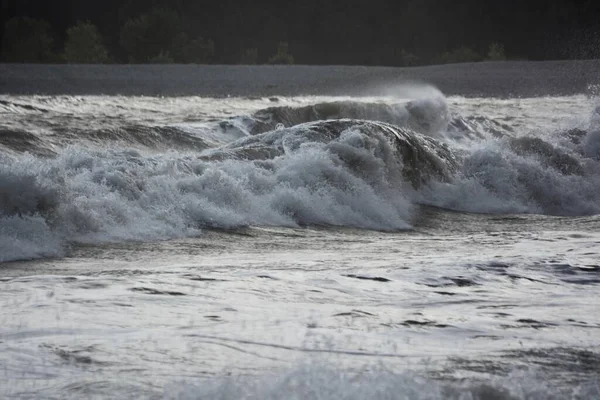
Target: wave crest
{"type": "Point", "coordinates": [427, 116]}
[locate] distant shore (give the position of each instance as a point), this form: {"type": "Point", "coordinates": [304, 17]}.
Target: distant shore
{"type": "Point", "coordinates": [498, 79]}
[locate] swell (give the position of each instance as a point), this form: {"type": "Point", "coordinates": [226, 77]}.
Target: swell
{"type": "Point", "coordinates": [426, 115]}
{"type": "Point", "coordinates": [429, 116]}
{"type": "Point", "coordinates": [17, 141]}
{"type": "Point", "coordinates": [12, 106]}
{"type": "Point", "coordinates": [62, 129]}
{"type": "Point", "coordinates": [153, 137]}
{"type": "Point", "coordinates": [160, 138]}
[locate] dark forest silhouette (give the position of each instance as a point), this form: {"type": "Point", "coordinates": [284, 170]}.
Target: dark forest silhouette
{"type": "Point", "coordinates": [395, 33]}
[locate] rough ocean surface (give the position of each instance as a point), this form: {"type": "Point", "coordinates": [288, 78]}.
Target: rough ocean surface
{"type": "Point", "coordinates": [303, 232]}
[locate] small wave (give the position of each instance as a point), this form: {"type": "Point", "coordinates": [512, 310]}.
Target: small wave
{"type": "Point", "coordinates": [11, 106]}
{"type": "Point", "coordinates": [133, 136]}
{"type": "Point", "coordinates": [477, 128]}
{"type": "Point", "coordinates": [15, 142]}
{"type": "Point", "coordinates": [154, 137]}
{"type": "Point", "coordinates": [548, 155]}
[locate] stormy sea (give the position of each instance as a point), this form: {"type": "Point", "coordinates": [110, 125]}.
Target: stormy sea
{"type": "Point", "coordinates": [300, 233]}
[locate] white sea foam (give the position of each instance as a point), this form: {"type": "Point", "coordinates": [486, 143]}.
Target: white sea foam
{"type": "Point", "coordinates": [325, 382]}
{"type": "Point", "coordinates": [97, 196]}
{"type": "Point", "coordinates": [495, 180]}
{"type": "Point", "coordinates": [524, 175]}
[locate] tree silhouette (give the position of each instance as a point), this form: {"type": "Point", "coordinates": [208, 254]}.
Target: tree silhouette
{"type": "Point", "coordinates": [194, 51]}
{"type": "Point", "coordinates": [150, 35]}
{"type": "Point", "coordinates": [282, 56]}
{"type": "Point", "coordinates": [250, 56]}
{"type": "Point", "coordinates": [462, 54]}
{"type": "Point", "coordinates": [160, 36]}
{"type": "Point", "coordinates": [162, 58]}
{"type": "Point", "coordinates": [27, 40]}
{"type": "Point", "coordinates": [84, 45]}
{"type": "Point", "coordinates": [352, 33]}
{"type": "Point", "coordinates": [496, 52]}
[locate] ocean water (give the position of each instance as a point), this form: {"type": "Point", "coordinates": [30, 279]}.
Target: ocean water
{"type": "Point", "coordinates": [405, 245]}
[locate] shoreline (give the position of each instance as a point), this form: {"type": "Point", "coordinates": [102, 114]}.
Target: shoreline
{"type": "Point", "coordinates": [484, 79]}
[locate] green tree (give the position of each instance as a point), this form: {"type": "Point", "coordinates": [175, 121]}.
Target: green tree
{"type": "Point", "coordinates": [27, 40]}
{"type": "Point", "coordinates": [147, 36]}
{"type": "Point", "coordinates": [160, 36]}
{"type": "Point", "coordinates": [408, 59]}
{"type": "Point", "coordinates": [193, 51]}
{"type": "Point", "coordinates": [162, 58]}
{"type": "Point", "coordinates": [250, 56]}
{"type": "Point", "coordinates": [84, 45]}
{"type": "Point", "coordinates": [282, 56]}
{"type": "Point", "coordinates": [496, 52]}
{"type": "Point", "coordinates": [462, 54]}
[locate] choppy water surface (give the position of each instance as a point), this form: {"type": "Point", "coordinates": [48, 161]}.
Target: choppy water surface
{"type": "Point", "coordinates": [403, 246]}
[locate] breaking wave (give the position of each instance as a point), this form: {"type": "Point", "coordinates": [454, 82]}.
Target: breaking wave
{"type": "Point", "coordinates": [346, 173]}
{"type": "Point", "coordinates": [429, 115]}
{"type": "Point", "coordinates": [557, 175]}
{"type": "Point", "coordinates": [343, 163]}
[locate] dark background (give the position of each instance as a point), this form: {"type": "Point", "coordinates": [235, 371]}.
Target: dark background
{"type": "Point", "coordinates": [348, 32]}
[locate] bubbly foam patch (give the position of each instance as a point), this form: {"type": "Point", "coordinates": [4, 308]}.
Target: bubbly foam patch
{"type": "Point", "coordinates": [326, 382]}
{"type": "Point", "coordinates": [496, 179]}
{"type": "Point", "coordinates": [555, 173]}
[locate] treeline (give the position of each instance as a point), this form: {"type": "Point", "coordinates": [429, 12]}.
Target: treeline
{"type": "Point", "coordinates": [158, 37]}
{"type": "Point", "coordinates": [400, 33]}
